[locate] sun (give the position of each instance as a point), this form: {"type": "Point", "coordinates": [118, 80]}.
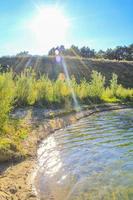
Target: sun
{"type": "Point", "coordinates": [49, 26]}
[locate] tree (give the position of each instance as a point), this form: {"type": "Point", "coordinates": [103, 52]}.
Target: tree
{"type": "Point", "coordinates": [87, 52]}
{"type": "Point", "coordinates": [100, 54]}
{"type": "Point", "coordinates": [75, 50]}
{"type": "Point", "coordinates": [61, 50]}
{"type": "Point", "coordinates": [109, 54]}
{"type": "Point", "coordinates": [51, 52]}
{"type": "Point", "coordinates": [4, 68]}
{"type": "Point", "coordinates": [130, 52]}
{"type": "Point", "coordinates": [23, 53]}
{"type": "Point", "coordinates": [118, 53]}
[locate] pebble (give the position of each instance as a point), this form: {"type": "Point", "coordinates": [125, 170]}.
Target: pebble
{"type": "Point", "coordinates": [31, 195]}
{"type": "Point", "coordinates": [13, 190]}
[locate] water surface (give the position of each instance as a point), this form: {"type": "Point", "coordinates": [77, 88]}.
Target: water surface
{"type": "Point", "coordinates": [90, 160]}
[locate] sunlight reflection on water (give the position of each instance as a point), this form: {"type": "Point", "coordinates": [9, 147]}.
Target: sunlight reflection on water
{"type": "Point", "coordinates": [91, 159]}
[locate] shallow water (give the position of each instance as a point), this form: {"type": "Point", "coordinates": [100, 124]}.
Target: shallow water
{"type": "Point", "coordinates": [90, 160]}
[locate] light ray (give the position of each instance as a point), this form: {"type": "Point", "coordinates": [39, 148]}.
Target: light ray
{"type": "Point", "coordinates": [82, 62]}
{"type": "Point", "coordinates": [49, 27]}
{"type": "Point", "coordinates": [20, 64]}
{"type": "Point", "coordinates": [76, 104]}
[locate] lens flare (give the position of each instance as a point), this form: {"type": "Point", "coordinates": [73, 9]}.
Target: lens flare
{"type": "Point", "coordinates": [49, 27]}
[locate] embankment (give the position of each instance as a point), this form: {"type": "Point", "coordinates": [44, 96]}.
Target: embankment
{"type": "Point", "coordinates": [79, 67]}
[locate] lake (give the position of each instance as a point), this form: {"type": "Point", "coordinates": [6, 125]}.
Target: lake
{"type": "Point", "coordinates": [89, 160]}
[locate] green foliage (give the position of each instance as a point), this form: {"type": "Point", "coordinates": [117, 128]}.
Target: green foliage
{"type": "Point", "coordinates": [108, 96]}
{"type": "Point", "coordinates": [82, 89]}
{"type": "Point", "coordinates": [5, 143]}
{"type": "Point", "coordinates": [124, 94]}
{"type": "Point", "coordinates": [26, 89]}
{"type": "Point", "coordinates": [26, 92]}
{"type": "Point", "coordinates": [117, 93]}
{"type": "Point", "coordinates": [96, 85]}
{"type": "Point", "coordinates": [114, 83]}
{"type": "Point", "coordinates": [45, 90]}
{"type": "Point", "coordinates": [118, 53]}
{"type": "Point", "coordinates": [12, 142]}
{"type": "Point", "coordinates": [7, 93]}
{"type": "Point", "coordinates": [62, 91]}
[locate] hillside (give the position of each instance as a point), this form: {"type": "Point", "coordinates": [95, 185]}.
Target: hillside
{"type": "Point", "coordinates": [80, 68]}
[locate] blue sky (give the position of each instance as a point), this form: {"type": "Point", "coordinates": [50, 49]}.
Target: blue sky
{"type": "Point", "coordinates": [96, 23]}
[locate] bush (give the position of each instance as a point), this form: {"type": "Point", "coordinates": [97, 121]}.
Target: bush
{"type": "Point", "coordinates": [124, 94]}
{"type": "Point", "coordinates": [114, 83]}
{"type": "Point", "coordinates": [108, 96]}
{"type": "Point", "coordinates": [27, 90]}
{"type": "Point", "coordinates": [7, 94]}
{"type": "Point", "coordinates": [82, 90]}
{"type": "Point", "coordinates": [49, 92]}
{"type": "Point", "coordinates": [26, 93]}
{"type": "Point", "coordinates": [96, 86]}
{"type": "Point", "coordinates": [45, 90]}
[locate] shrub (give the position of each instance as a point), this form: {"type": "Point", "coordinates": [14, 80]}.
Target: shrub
{"type": "Point", "coordinates": [7, 93]}
{"type": "Point", "coordinates": [124, 94]}
{"type": "Point", "coordinates": [62, 91]}
{"type": "Point", "coordinates": [26, 93]}
{"type": "Point", "coordinates": [114, 83]}
{"type": "Point", "coordinates": [82, 89]}
{"type": "Point", "coordinates": [108, 96]}
{"type": "Point", "coordinates": [96, 85]}
{"type": "Point", "coordinates": [45, 90]}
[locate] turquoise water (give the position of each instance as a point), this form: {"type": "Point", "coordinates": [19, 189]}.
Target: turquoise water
{"type": "Point", "coordinates": [90, 160]}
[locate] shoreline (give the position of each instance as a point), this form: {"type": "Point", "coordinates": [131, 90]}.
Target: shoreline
{"type": "Point", "coordinates": [16, 178]}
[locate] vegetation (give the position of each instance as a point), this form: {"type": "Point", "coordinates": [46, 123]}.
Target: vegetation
{"type": "Point", "coordinates": [30, 90]}
{"type": "Point", "coordinates": [118, 53]}
{"type": "Point", "coordinates": [7, 94]}
{"type": "Point", "coordinates": [79, 67]}
{"type": "Point", "coordinates": [27, 89]}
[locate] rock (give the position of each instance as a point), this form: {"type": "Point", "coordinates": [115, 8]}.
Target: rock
{"type": "Point", "coordinates": [31, 195]}
{"type": "Point", "coordinates": [13, 190]}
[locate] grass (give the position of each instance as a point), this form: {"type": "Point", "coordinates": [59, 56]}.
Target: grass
{"type": "Point", "coordinates": [27, 89]}
{"type": "Point", "coordinates": [12, 139]}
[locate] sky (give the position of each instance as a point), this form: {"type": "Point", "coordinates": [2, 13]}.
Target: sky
{"type": "Point", "coordinates": [38, 25]}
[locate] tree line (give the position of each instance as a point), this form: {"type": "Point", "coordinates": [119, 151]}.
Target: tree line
{"type": "Point", "coordinates": [117, 53]}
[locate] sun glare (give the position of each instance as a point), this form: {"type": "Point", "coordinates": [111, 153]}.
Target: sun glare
{"type": "Point", "coordinates": [49, 26]}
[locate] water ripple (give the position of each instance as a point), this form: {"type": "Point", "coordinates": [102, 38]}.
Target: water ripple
{"type": "Point", "coordinates": [91, 159]}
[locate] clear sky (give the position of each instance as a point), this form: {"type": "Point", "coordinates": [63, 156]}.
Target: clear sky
{"type": "Point", "coordinates": [37, 25]}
